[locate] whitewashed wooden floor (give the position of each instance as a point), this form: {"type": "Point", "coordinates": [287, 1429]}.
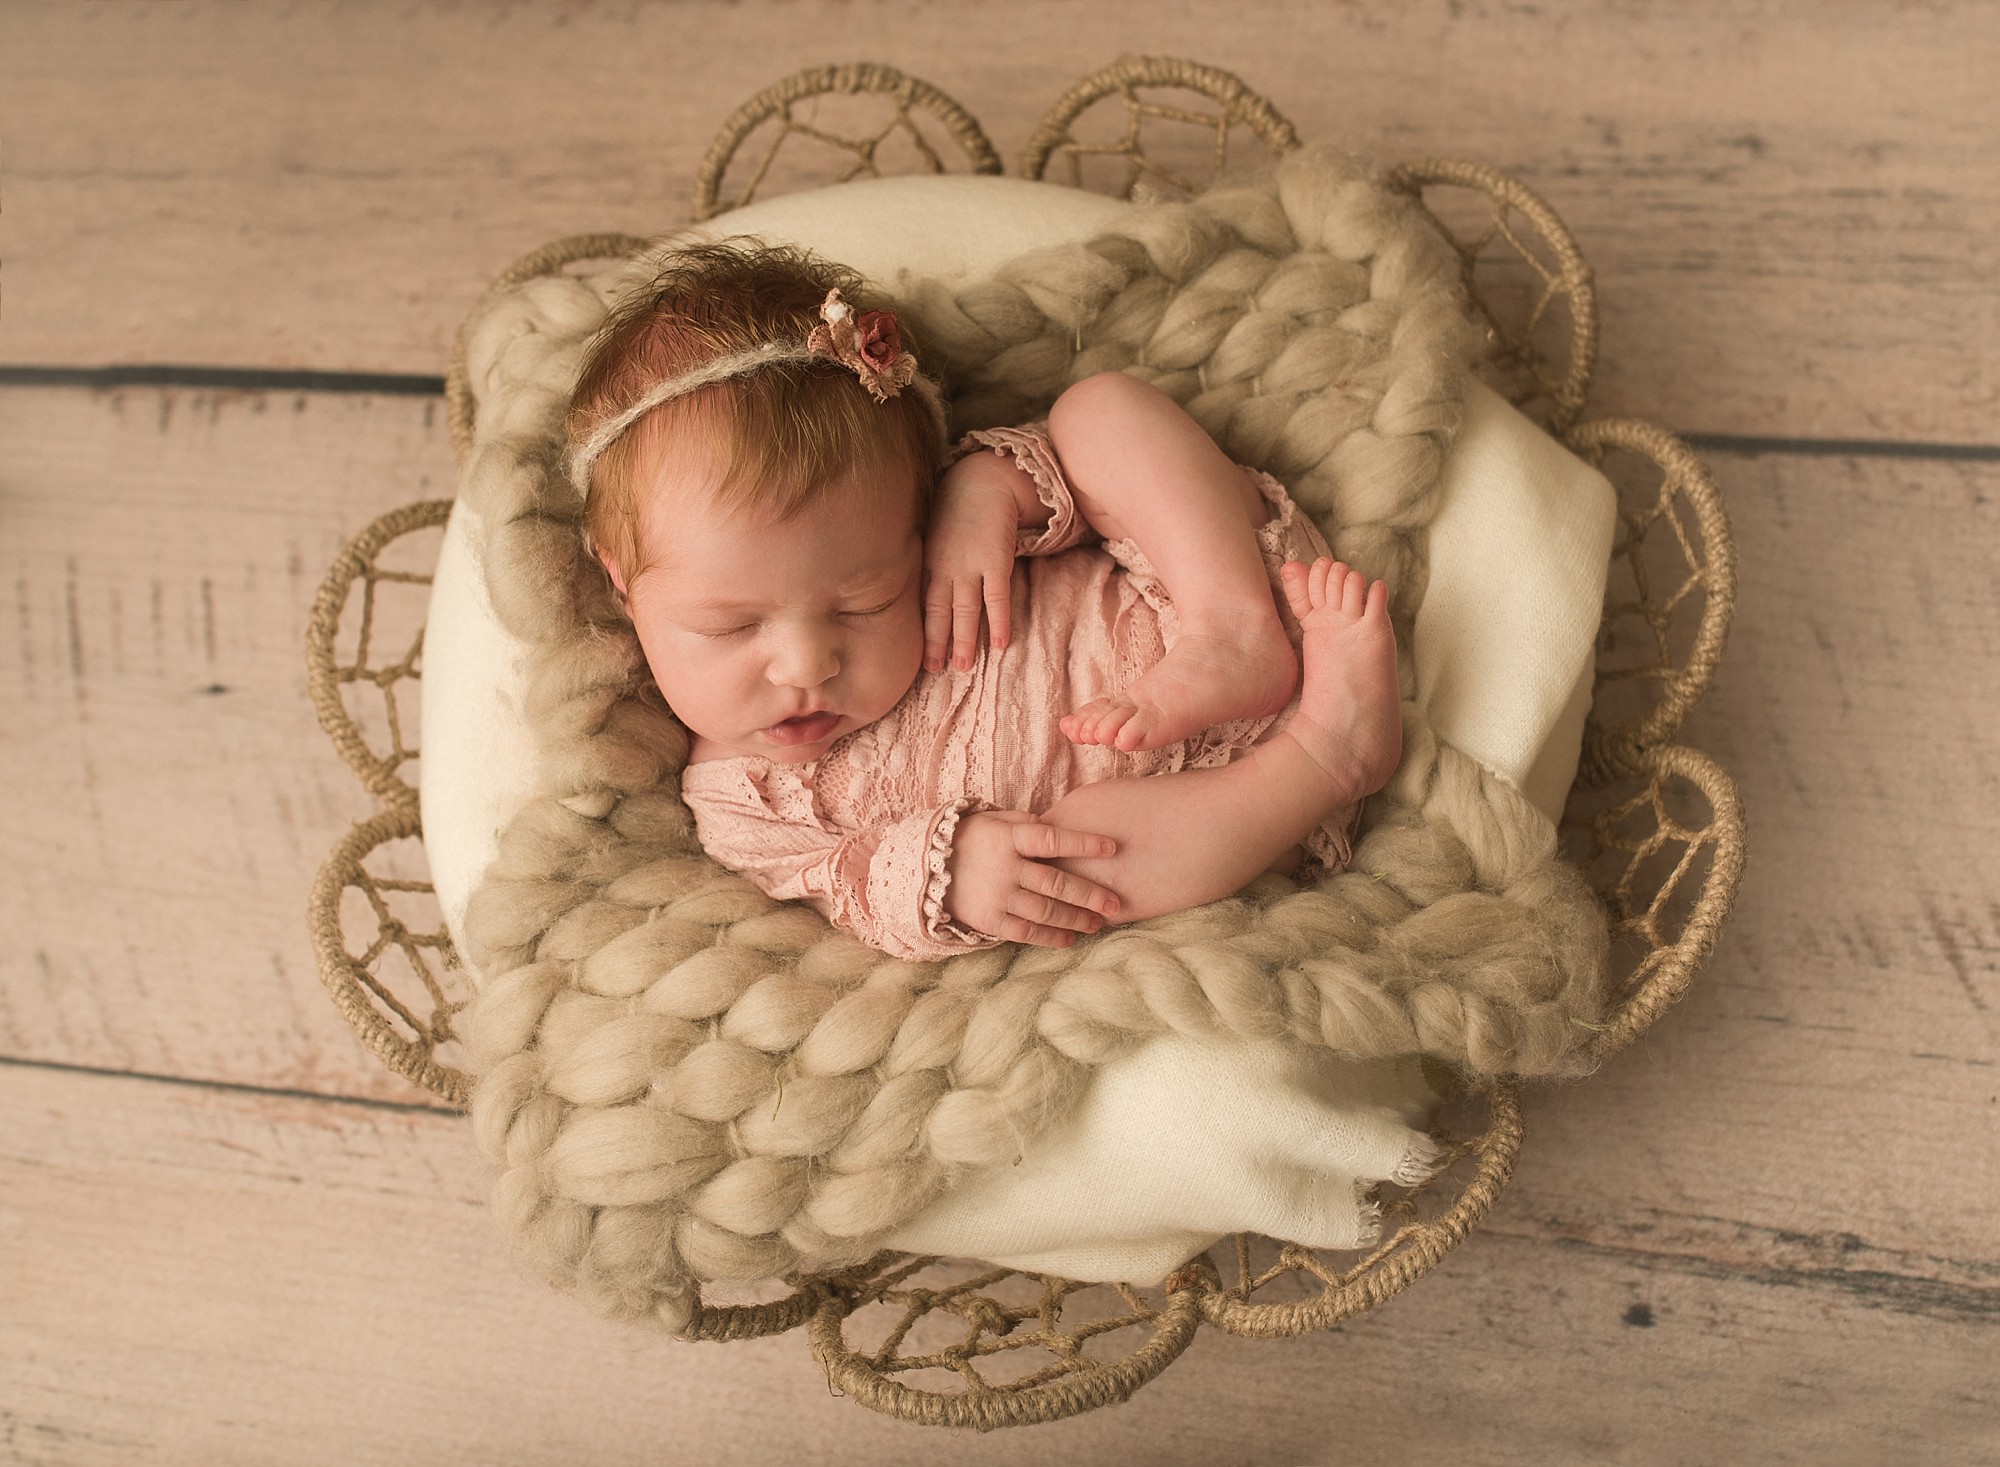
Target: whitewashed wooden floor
{"type": "Point", "coordinates": [1769, 1233]}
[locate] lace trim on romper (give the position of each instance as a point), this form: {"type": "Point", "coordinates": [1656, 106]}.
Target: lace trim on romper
{"type": "Point", "coordinates": [884, 882]}
{"type": "Point", "coordinates": [938, 924]}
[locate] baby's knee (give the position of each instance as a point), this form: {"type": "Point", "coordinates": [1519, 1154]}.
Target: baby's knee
{"type": "Point", "coordinates": [1104, 405]}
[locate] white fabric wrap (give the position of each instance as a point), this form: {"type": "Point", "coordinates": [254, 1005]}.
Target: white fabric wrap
{"type": "Point", "coordinates": [1180, 1142]}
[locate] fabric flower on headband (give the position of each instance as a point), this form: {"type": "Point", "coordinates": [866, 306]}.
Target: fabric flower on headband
{"type": "Point", "coordinates": [869, 344]}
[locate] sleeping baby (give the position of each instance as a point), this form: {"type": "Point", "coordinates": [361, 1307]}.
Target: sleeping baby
{"type": "Point", "coordinates": [1092, 673]}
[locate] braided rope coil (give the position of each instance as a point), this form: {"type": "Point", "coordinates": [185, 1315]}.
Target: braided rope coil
{"type": "Point", "coordinates": [685, 1081]}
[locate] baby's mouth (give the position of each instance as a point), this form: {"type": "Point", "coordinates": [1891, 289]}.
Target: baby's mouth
{"type": "Point", "coordinates": [807, 728]}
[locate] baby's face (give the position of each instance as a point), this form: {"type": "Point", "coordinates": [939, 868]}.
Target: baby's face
{"type": "Point", "coordinates": [776, 637]}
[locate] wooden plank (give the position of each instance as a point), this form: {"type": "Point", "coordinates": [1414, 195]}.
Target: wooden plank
{"type": "Point", "coordinates": [170, 792]}
{"type": "Point", "coordinates": [1833, 1071]}
{"type": "Point", "coordinates": [1840, 1057]}
{"type": "Point", "coordinates": [198, 1274]}
{"type": "Point", "coordinates": [1793, 211]}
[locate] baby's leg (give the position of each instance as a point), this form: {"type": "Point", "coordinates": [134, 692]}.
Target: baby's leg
{"type": "Point", "coordinates": [1143, 470]}
{"type": "Point", "coordinates": [1341, 745]}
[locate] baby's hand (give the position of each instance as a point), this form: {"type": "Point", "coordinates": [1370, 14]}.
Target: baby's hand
{"type": "Point", "coordinates": [1000, 887]}
{"type": "Point", "coordinates": [969, 560]}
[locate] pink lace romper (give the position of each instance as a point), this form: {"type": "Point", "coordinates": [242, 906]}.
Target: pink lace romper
{"type": "Point", "coordinates": [864, 832]}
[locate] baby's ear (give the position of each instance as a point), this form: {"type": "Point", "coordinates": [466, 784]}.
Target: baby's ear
{"type": "Point", "coordinates": [611, 570]}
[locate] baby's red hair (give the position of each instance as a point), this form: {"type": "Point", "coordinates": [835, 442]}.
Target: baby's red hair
{"type": "Point", "coordinates": [781, 433]}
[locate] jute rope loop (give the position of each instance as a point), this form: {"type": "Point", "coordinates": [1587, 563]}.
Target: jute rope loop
{"type": "Point", "coordinates": [1565, 279]}
{"type": "Point", "coordinates": [1073, 1382]}
{"type": "Point", "coordinates": [327, 678]}
{"type": "Point", "coordinates": [1408, 1251]}
{"type": "Point", "coordinates": [1237, 104]}
{"type": "Point", "coordinates": [907, 93]}
{"type": "Point", "coordinates": [1673, 944]}
{"type": "Point", "coordinates": [355, 980]}
{"type": "Point", "coordinates": [1704, 562]}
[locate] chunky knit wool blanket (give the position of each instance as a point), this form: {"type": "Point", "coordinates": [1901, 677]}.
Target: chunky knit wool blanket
{"type": "Point", "coordinates": [683, 1081]}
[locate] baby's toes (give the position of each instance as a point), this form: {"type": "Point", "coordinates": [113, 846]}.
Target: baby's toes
{"type": "Point", "coordinates": [1135, 729]}
{"type": "Point", "coordinates": [1353, 594]}
{"type": "Point", "coordinates": [1378, 599]}
{"type": "Point", "coordinates": [1094, 723]}
{"type": "Point", "coordinates": [1119, 726]}
{"type": "Point", "coordinates": [1322, 573]}
{"type": "Point", "coordinates": [1298, 588]}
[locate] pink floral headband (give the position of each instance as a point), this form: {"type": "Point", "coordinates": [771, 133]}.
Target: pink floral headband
{"type": "Point", "coordinates": [869, 344]}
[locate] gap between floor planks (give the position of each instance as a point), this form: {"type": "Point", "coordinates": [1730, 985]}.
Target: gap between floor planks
{"type": "Point", "coordinates": [1770, 262]}
{"type": "Point", "coordinates": [278, 379]}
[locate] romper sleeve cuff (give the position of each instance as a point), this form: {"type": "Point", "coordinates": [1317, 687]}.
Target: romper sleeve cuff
{"type": "Point", "coordinates": [1035, 455]}
{"type": "Point", "coordinates": [907, 883]}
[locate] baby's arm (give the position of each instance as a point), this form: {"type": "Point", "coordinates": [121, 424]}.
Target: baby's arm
{"type": "Point", "coordinates": [982, 504]}
{"type": "Point", "coordinates": [930, 885]}
{"type": "Point", "coordinates": [1250, 814]}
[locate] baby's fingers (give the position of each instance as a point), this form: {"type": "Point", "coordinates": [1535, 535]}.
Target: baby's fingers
{"type": "Point", "coordinates": [998, 626]}
{"type": "Point", "coordinates": [1052, 842]}
{"type": "Point", "coordinates": [937, 623]}
{"type": "Point", "coordinates": [965, 608]}
{"type": "Point", "coordinates": [1011, 928]}
{"type": "Point", "coordinates": [1068, 889]}
{"type": "Point", "coordinates": [1045, 911]}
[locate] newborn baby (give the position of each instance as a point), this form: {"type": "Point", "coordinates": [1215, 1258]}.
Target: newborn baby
{"type": "Point", "coordinates": [1132, 734]}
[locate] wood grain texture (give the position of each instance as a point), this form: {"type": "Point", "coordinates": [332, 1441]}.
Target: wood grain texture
{"type": "Point", "coordinates": [1793, 211]}
{"type": "Point", "coordinates": [204, 1276]}
{"type": "Point", "coordinates": [1840, 1056]}
{"type": "Point", "coordinates": [171, 794]}
{"type": "Point", "coordinates": [1770, 1232]}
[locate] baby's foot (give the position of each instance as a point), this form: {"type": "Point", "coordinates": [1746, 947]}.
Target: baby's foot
{"type": "Point", "coordinates": [1221, 667]}
{"type": "Point", "coordinates": [1350, 715]}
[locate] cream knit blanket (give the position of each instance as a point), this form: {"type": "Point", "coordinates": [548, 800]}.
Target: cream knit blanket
{"type": "Point", "coordinates": [685, 1081]}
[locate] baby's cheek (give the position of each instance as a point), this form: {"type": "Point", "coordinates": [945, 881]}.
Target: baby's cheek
{"type": "Point", "coordinates": [691, 689]}
{"type": "Point", "coordinates": [909, 655]}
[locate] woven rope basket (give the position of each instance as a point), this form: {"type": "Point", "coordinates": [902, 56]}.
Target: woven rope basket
{"type": "Point", "coordinates": [1657, 826]}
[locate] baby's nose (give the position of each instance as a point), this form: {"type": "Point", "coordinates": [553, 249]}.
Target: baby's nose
{"type": "Point", "coordinates": [805, 659]}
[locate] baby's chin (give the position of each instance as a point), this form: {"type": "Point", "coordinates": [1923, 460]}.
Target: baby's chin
{"type": "Point", "coordinates": [778, 744]}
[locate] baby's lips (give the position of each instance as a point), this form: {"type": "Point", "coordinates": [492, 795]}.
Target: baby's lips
{"type": "Point", "coordinates": [808, 729]}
